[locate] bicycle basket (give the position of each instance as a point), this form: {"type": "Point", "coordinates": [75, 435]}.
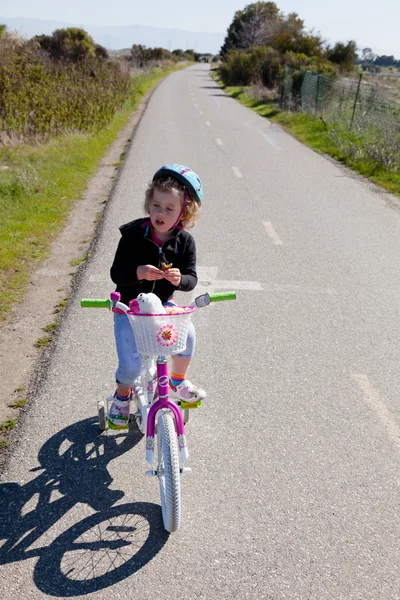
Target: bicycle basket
{"type": "Point", "coordinates": [161, 334]}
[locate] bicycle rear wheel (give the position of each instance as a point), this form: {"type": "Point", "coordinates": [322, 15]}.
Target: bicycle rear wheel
{"type": "Point", "coordinates": [168, 472]}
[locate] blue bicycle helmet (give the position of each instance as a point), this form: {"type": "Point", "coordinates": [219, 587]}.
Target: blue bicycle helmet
{"type": "Point", "coordinates": [185, 176]}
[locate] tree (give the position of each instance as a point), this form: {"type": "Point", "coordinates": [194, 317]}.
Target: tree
{"type": "Point", "coordinates": [367, 55]}
{"type": "Point", "coordinates": [138, 55]}
{"type": "Point", "coordinates": [251, 26]}
{"type": "Point", "coordinates": [386, 61]}
{"type": "Point", "coordinates": [262, 24]}
{"type": "Point", "coordinates": [343, 55]}
{"type": "Point", "coordinates": [72, 44]}
{"type": "Point", "coordinates": [297, 41]}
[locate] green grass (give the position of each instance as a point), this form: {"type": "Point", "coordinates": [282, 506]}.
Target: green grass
{"type": "Point", "coordinates": [18, 403]}
{"type": "Point", "coordinates": [75, 262]}
{"type": "Point", "coordinates": [7, 426]}
{"type": "Point", "coordinates": [314, 133]}
{"type": "Point", "coordinates": [61, 306]}
{"type": "Point", "coordinates": [40, 187]}
{"type": "Point", "coordinates": [44, 341]}
{"type": "Point", "coordinates": [50, 327]}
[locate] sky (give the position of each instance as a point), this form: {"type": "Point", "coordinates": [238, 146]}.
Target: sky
{"type": "Point", "coordinates": [370, 23]}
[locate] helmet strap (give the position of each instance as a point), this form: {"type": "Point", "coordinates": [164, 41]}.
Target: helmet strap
{"type": "Point", "coordinates": [186, 198]}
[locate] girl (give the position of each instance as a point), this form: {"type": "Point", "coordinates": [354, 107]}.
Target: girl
{"type": "Point", "coordinates": [156, 255]}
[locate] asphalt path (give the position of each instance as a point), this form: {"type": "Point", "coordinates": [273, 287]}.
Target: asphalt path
{"type": "Point", "coordinates": [295, 454]}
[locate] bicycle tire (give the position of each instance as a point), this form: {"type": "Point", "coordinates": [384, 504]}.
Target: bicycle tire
{"type": "Point", "coordinates": [168, 472]}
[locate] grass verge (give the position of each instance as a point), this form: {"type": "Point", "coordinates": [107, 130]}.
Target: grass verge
{"type": "Point", "coordinates": [314, 133]}
{"type": "Point", "coordinates": [7, 426]}
{"type": "Point", "coordinates": [39, 186]}
{"type": "Point", "coordinates": [5, 429]}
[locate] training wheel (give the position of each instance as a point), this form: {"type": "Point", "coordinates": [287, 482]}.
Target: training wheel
{"type": "Point", "coordinates": [102, 414]}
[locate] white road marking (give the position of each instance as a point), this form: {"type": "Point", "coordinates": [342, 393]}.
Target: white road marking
{"type": "Point", "coordinates": [216, 102]}
{"type": "Point", "coordinates": [208, 123]}
{"type": "Point", "coordinates": [219, 141]}
{"type": "Point", "coordinates": [265, 134]}
{"type": "Point", "coordinates": [271, 141]}
{"type": "Point", "coordinates": [224, 284]}
{"type": "Point", "coordinates": [299, 289]}
{"type": "Point", "coordinates": [273, 236]}
{"type": "Point", "coordinates": [208, 282]}
{"type": "Point", "coordinates": [236, 172]}
{"type": "Point", "coordinates": [376, 403]}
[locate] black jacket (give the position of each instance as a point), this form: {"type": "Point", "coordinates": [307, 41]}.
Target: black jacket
{"type": "Point", "coordinates": [136, 247]}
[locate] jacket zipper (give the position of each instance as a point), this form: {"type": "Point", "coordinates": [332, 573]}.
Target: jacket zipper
{"type": "Point", "coordinates": [160, 250]}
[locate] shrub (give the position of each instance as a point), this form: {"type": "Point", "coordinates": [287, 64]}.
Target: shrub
{"type": "Point", "coordinates": [72, 44]}
{"type": "Point", "coordinates": [41, 96]}
{"type": "Point", "coordinates": [257, 64]}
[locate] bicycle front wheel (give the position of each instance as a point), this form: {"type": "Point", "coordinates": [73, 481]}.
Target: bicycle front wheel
{"type": "Point", "coordinates": [168, 472]}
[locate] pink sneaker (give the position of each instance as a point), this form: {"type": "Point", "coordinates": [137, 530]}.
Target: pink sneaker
{"type": "Point", "coordinates": [118, 417]}
{"type": "Point", "coordinates": [186, 391]}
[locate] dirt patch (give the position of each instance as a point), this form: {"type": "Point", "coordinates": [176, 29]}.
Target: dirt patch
{"type": "Point", "coordinates": [52, 281]}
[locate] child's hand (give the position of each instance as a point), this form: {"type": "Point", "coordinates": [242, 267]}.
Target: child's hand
{"type": "Point", "coordinates": [149, 272]}
{"type": "Point", "coordinates": [173, 276]}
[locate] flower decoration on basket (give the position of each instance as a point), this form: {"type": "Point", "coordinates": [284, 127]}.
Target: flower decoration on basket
{"type": "Point", "coordinates": [167, 335]}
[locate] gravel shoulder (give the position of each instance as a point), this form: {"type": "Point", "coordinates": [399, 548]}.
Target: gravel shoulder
{"type": "Point", "coordinates": [22, 364]}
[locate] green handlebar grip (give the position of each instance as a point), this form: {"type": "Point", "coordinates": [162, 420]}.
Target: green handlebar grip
{"type": "Point", "coordinates": [219, 296]}
{"type": "Point", "coordinates": [94, 303]}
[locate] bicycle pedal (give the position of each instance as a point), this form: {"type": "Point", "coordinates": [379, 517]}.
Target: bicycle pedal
{"type": "Point", "coordinates": [185, 470]}
{"type": "Point", "coordinates": [188, 405]}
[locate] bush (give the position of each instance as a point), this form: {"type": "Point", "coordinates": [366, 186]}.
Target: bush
{"type": "Point", "coordinates": [41, 97]}
{"type": "Point", "coordinates": [257, 64]}
{"type": "Point", "coordinates": [72, 44]}
{"type": "Point", "coordinates": [238, 69]}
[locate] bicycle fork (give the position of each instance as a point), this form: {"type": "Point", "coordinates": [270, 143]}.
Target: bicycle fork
{"type": "Point", "coordinates": [164, 402]}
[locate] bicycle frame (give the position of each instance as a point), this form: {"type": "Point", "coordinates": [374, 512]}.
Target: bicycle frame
{"type": "Point", "coordinates": [163, 402]}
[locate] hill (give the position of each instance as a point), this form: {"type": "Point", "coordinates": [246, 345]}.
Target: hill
{"type": "Point", "coordinates": [117, 38]}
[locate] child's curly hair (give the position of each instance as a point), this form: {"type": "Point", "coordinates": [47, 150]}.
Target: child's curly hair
{"type": "Point", "coordinates": [191, 211]}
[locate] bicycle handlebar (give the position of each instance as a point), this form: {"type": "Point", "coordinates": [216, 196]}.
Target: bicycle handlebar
{"type": "Point", "coordinates": [219, 296]}
{"type": "Point", "coordinates": [95, 303]}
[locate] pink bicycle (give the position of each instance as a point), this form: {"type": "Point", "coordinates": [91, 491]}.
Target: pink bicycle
{"type": "Point", "coordinates": [162, 420]}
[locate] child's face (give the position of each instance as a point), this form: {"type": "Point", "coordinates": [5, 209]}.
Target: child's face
{"type": "Point", "coordinates": [164, 210]}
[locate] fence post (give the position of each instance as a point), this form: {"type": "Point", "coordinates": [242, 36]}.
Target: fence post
{"type": "Point", "coordinates": [316, 96]}
{"type": "Point", "coordinates": [355, 101]}
{"type": "Point", "coordinates": [283, 87]}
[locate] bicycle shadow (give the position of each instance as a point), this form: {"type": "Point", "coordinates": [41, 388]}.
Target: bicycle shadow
{"type": "Point", "coordinates": [73, 465]}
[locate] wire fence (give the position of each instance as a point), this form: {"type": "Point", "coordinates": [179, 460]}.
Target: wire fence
{"type": "Point", "coordinates": [363, 117]}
